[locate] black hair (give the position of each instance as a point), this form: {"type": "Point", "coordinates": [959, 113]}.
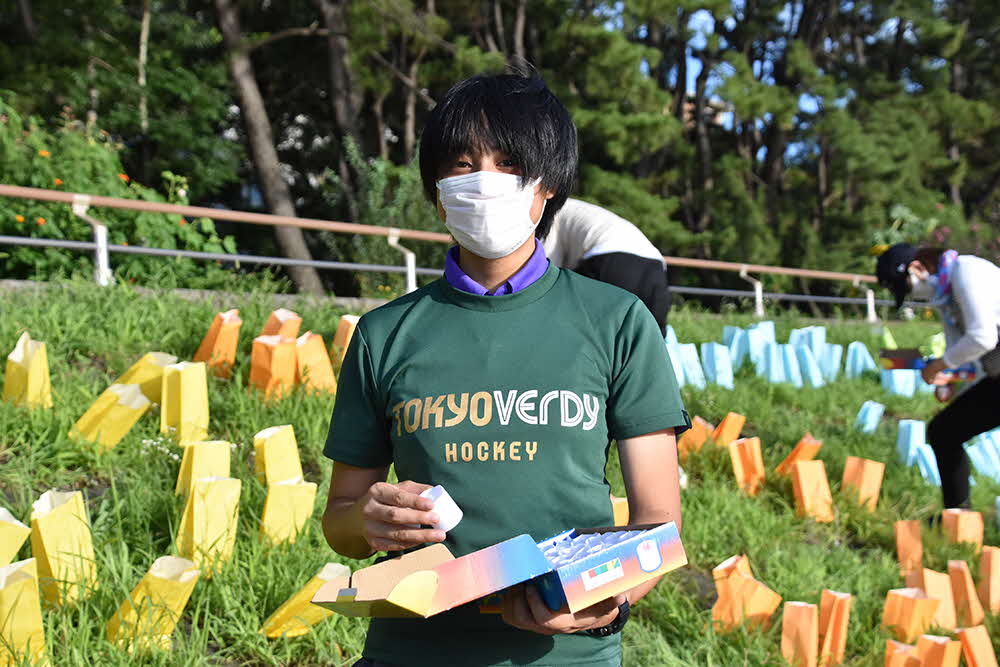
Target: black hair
{"type": "Point", "coordinates": [930, 257]}
{"type": "Point", "coordinates": [510, 113]}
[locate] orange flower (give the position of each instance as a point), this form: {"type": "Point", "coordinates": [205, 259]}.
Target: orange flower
{"type": "Point", "coordinates": [181, 223]}
{"type": "Point", "coordinates": [44, 153]}
{"type": "Point", "coordinates": [124, 177]}
{"type": "Point", "coordinates": [124, 242]}
{"type": "Point", "coordinates": [59, 181]}
{"type": "Point", "coordinates": [19, 218]}
{"type": "Point", "coordinates": [40, 221]}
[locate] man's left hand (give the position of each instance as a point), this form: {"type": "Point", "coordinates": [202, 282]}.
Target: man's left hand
{"type": "Point", "coordinates": [524, 608]}
{"type": "Point", "coordinates": [932, 372]}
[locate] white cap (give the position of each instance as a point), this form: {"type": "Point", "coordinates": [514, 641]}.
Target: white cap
{"type": "Point", "coordinates": [449, 514]}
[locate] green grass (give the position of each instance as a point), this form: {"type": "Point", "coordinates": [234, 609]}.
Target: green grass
{"type": "Point", "coordinates": [92, 335]}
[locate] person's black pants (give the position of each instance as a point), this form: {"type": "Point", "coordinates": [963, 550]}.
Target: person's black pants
{"type": "Point", "coordinates": [972, 412]}
{"type": "Point", "coordinates": [641, 276]}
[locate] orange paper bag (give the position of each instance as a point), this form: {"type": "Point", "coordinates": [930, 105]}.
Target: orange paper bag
{"type": "Point", "coordinates": [748, 465]}
{"type": "Point", "coordinates": [218, 347]}
{"type": "Point", "coordinates": [728, 429]}
{"type": "Point", "coordinates": [938, 651]}
{"type": "Point", "coordinates": [898, 654]}
{"type": "Point", "coordinates": [341, 339]}
{"type": "Point", "coordinates": [692, 439]}
{"type": "Point", "coordinates": [812, 491]}
{"type": "Point", "coordinates": [938, 586]}
{"type": "Point", "coordinates": [961, 526]}
{"type": "Point", "coordinates": [989, 579]}
{"type": "Point", "coordinates": [272, 365]}
{"type": "Point", "coordinates": [283, 323]}
{"type": "Point", "coordinates": [805, 450]}
{"type": "Point", "coordinates": [977, 647]}
{"type": "Point", "coordinates": [909, 546]}
{"type": "Point", "coordinates": [863, 480]}
{"type": "Point", "coordinates": [967, 605]}
{"type": "Point", "coordinates": [834, 615]}
{"type": "Point", "coordinates": [800, 634]}
{"type": "Point", "coordinates": [908, 612]}
{"type": "Point", "coordinates": [313, 369]}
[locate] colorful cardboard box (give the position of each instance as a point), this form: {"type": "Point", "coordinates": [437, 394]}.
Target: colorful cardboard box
{"type": "Point", "coordinates": [430, 580]}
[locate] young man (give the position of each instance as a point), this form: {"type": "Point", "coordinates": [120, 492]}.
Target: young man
{"type": "Point", "coordinates": [504, 382]}
{"type": "Point", "coordinates": [966, 291]}
{"type": "Point", "coordinates": [598, 244]}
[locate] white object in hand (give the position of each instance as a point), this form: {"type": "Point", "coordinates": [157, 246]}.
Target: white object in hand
{"type": "Point", "coordinates": [449, 514]}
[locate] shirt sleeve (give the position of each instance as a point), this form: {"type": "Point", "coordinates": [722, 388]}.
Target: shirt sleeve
{"type": "Point", "coordinates": [644, 396]}
{"type": "Point", "coordinates": [977, 302]}
{"type": "Point", "coordinates": [359, 432]}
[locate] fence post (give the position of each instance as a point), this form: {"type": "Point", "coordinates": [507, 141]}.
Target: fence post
{"type": "Point", "coordinates": [102, 264]}
{"type": "Point", "coordinates": [409, 258]}
{"type": "Point", "coordinates": [758, 292]}
{"type": "Point", "coordinates": [871, 315]}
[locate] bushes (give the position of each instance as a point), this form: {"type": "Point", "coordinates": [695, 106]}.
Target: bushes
{"type": "Point", "coordinates": [75, 159]}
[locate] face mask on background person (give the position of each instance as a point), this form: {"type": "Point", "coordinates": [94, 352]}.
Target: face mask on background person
{"type": "Point", "coordinates": [922, 288]}
{"type": "Point", "coordinates": [488, 212]}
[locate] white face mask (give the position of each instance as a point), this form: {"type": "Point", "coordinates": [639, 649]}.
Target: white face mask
{"type": "Point", "coordinates": [487, 212]}
{"type": "Point", "coordinates": [922, 288]}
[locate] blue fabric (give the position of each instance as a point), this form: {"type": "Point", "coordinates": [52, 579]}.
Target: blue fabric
{"type": "Point", "coordinates": [532, 270]}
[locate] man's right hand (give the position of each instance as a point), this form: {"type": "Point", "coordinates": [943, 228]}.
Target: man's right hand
{"type": "Point", "coordinates": [393, 514]}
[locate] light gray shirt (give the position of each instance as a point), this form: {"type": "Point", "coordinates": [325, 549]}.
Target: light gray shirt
{"type": "Point", "coordinates": [581, 231]}
{"type": "Point", "coordinates": [974, 306]}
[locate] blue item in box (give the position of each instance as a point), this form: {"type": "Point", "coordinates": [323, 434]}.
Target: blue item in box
{"type": "Point", "coordinates": [595, 564]}
{"type": "Point", "coordinates": [739, 348]}
{"type": "Point", "coordinates": [900, 381]}
{"type": "Point", "coordinates": [693, 375]}
{"type": "Point", "coordinates": [772, 365]}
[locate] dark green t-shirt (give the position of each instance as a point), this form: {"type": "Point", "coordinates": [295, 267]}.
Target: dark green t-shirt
{"type": "Point", "coordinates": [510, 403]}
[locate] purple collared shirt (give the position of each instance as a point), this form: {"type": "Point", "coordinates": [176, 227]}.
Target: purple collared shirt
{"type": "Point", "coordinates": [526, 275]}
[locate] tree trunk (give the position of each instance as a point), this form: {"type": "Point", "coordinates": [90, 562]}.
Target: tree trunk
{"type": "Point", "coordinates": [704, 148]}
{"type": "Point", "coordinates": [143, 96]}
{"type": "Point", "coordinates": [265, 155]}
{"type": "Point", "coordinates": [344, 96]}
{"type": "Point", "coordinates": [410, 110]}
{"type": "Point", "coordinates": [383, 142]}
{"type": "Point", "coordinates": [27, 20]}
{"type": "Point", "coordinates": [501, 33]}
{"type": "Point", "coordinates": [519, 21]}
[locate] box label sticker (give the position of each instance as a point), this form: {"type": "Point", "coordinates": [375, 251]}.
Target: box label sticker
{"type": "Point", "coordinates": [602, 574]}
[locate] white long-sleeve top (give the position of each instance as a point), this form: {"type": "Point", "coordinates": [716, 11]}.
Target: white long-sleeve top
{"type": "Point", "coordinates": [581, 230]}
{"type": "Point", "coordinates": [974, 306]}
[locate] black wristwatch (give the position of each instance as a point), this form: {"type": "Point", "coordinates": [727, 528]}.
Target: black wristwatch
{"type": "Point", "coordinates": [614, 626]}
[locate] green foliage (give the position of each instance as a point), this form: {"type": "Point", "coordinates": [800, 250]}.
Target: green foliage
{"type": "Point", "coordinates": [388, 196]}
{"type": "Point", "coordinates": [66, 159]}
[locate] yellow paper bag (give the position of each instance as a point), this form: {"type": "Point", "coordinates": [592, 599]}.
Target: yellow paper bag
{"type": "Point", "coordinates": [276, 455]}
{"type": "Point", "coordinates": [341, 339]}
{"type": "Point", "coordinates": [112, 415]}
{"type": "Point", "coordinates": [148, 374]}
{"type": "Point", "coordinates": [185, 401]}
{"type": "Point", "coordinates": [218, 347]}
{"type": "Point", "coordinates": [26, 381]}
{"type": "Point", "coordinates": [209, 458]}
{"type": "Point", "coordinates": [313, 369]}
{"type": "Point", "coordinates": [13, 533]}
{"type": "Point", "coordinates": [287, 507]}
{"type": "Point", "coordinates": [208, 527]}
{"type": "Point", "coordinates": [22, 635]}
{"type": "Point", "coordinates": [298, 614]}
{"type": "Point", "coordinates": [147, 618]}
{"type": "Point", "coordinates": [282, 322]}
{"type": "Point", "coordinates": [62, 544]}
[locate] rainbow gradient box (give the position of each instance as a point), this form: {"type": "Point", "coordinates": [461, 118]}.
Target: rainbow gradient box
{"type": "Point", "coordinates": [645, 552]}
{"type": "Point", "coordinates": [431, 580]}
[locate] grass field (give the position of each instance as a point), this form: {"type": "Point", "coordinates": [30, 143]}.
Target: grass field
{"type": "Point", "coordinates": [93, 335]}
